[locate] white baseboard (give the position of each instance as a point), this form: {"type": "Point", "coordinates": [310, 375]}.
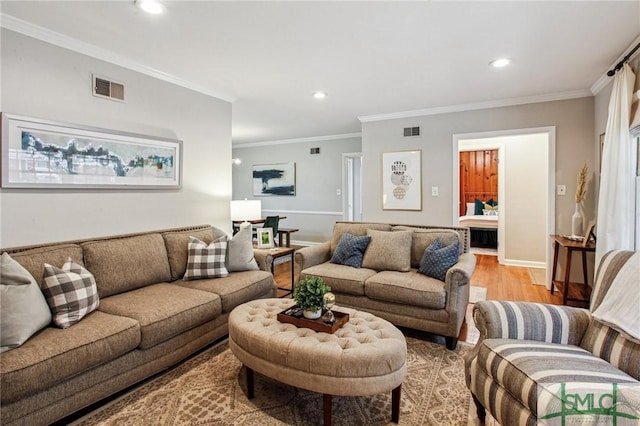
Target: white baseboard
{"type": "Point", "coordinates": [304, 243]}
{"type": "Point", "coordinates": [525, 263]}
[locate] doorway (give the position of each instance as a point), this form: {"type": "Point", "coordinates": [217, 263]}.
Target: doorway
{"type": "Point", "coordinates": [523, 224]}
{"type": "Point", "coordinates": [352, 187]}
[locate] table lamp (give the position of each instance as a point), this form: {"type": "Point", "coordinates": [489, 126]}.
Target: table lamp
{"type": "Point", "coordinates": [245, 210]}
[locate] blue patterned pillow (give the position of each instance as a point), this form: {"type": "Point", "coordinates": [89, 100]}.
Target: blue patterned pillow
{"type": "Point", "coordinates": [350, 250]}
{"type": "Point", "coordinates": [438, 258]}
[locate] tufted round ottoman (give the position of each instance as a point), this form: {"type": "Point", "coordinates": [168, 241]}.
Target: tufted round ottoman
{"type": "Point", "coordinates": [367, 356]}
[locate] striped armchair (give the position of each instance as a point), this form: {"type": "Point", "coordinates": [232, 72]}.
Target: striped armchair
{"type": "Point", "coordinates": [543, 364]}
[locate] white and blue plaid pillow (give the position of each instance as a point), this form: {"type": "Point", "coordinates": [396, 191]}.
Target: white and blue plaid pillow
{"type": "Point", "coordinates": [71, 292]}
{"type": "Point", "coordinates": [350, 250]}
{"type": "Point", "coordinates": [438, 258]}
{"type": "Point", "coordinates": [206, 261]}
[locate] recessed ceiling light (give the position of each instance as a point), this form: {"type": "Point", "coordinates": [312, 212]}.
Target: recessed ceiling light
{"type": "Point", "coordinates": [150, 6]}
{"type": "Point", "coordinates": [320, 95]}
{"type": "Point", "coordinates": [500, 62]}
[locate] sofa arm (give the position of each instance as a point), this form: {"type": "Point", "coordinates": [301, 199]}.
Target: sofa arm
{"type": "Point", "coordinates": [460, 273]}
{"type": "Point", "coordinates": [311, 256]}
{"type": "Point", "coordinates": [264, 259]}
{"type": "Point", "coordinates": [530, 321]}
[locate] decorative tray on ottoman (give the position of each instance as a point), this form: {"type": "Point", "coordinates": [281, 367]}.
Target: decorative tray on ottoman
{"type": "Point", "coordinates": [314, 324]}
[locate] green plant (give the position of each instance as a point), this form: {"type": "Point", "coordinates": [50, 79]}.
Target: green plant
{"type": "Point", "coordinates": [309, 293]}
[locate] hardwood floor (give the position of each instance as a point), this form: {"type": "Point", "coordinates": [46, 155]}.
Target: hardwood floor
{"type": "Point", "coordinates": [502, 283]}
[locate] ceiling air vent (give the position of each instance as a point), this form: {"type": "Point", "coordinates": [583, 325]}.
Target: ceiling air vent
{"type": "Point", "coordinates": [108, 89]}
{"type": "Point", "coordinates": [314, 151]}
{"type": "Point", "coordinates": [412, 131]}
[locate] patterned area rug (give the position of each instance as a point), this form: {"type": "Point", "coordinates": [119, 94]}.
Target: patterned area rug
{"type": "Point", "coordinates": [209, 389]}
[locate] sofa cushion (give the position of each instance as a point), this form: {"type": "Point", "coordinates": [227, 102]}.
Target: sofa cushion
{"type": "Point", "coordinates": [357, 229]}
{"type": "Point", "coordinates": [438, 258]}
{"type": "Point", "coordinates": [240, 255]}
{"type": "Point", "coordinates": [24, 310]}
{"type": "Point", "coordinates": [423, 237]}
{"type": "Point", "coordinates": [350, 250]}
{"type": "Point", "coordinates": [410, 288]}
{"type": "Point", "coordinates": [71, 292]}
{"type": "Point", "coordinates": [341, 279]}
{"type": "Point", "coordinates": [163, 310]}
{"type": "Point", "coordinates": [525, 368]}
{"type": "Point", "coordinates": [176, 244]}
{"type": "Point", "coordinates": [33, 260]}
{"type": "Point", "coordinates": [54, 354]}
{"type": "Point", "coordinates": [206, 261]}
{"type": "Point", "coordinates": [388, 251]}
{"type": "Point", "coordinates": [128, 263]}
{"type": "Point", "coordinates": [237, 288]}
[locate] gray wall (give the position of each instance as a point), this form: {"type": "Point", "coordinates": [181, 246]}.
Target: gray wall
{"type": "Point", "coordinates": [574, 135]}
{"type": "Point", "coordinates": [43, 81]}
{"type": "Point", "coordinates": [316, 206]}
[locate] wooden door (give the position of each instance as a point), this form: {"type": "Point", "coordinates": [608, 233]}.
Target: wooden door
{"type": "Point", "coordinates": [478, 177]}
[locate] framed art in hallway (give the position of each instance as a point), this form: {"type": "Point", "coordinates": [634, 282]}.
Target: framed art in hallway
{"type": "Point", "coordinates": [402, 180]}
{"type": "Point", "coordinates": [274, 179]}
{"type": "Point", "coordinates": [39, 153]}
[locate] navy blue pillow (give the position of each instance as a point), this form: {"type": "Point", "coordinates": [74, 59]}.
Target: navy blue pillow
{"type": "Point", "coordinates": [438, 258]}
{"type": "Point", "coordinates": [479, 205]}
{"type": "Point", "coordinates": [350, 250]}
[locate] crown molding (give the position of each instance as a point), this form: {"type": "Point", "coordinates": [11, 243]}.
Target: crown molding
{"type": "Point", "coordinates": [479, 105]}
{"type": "Point", "coordinates": [35, 31]}
{"type": "Point", "coordinates": [299, 140]}
{"type": "Point", "coordinates": [604, 79]}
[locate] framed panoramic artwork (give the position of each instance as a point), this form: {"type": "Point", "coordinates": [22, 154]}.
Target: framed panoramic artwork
{"type": "Point", "coordinates": [265, 237]}
{"type": "Point", "coordinates": [402, 180]}
{"type": "Point", "coordinates": [48, 154]}
{"type": "Point", "coordinates": [274, 179]}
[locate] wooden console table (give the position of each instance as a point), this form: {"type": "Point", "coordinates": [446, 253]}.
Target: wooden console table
{"type": "Point", "coordinates": [563, 285]}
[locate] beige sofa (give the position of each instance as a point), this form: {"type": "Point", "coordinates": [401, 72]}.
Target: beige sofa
{"type": "Point", "coordinates": [148, 319]}
{"type": "Point", "coordinates": [407, 299]}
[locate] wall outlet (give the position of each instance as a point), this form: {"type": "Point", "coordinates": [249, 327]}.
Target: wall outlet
{"type": "Point", "coordinates": [338, 191]}
{"type": "Point", "coordinates": [562, 190]}
{"type": "Point", "coordinates": [434, 191]}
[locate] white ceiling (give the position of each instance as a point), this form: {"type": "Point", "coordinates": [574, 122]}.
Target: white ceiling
{"type": "Point", "coordinates": [372, 58]}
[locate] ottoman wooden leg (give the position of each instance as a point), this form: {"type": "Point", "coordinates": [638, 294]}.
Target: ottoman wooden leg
{"type": "Point", "coordinates": [395, 404]}
{"type": "Point", "coordinates": [326, 408]}
{"type": "Point", "coordinates": [250, 393]}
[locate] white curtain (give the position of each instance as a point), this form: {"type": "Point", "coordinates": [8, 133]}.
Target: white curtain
{"type": "Point", "coordinates": [616, 201]}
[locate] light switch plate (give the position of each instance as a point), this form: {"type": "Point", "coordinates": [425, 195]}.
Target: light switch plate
{"type": "Point", "coordinates": [434, 191]}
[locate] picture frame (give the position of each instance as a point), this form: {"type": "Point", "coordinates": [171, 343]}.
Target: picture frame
{"type": "Point", "coordinates": [38, 153]}
{"type": "Point", "coordinates": [589, 235]}
{"type": "Point", "coordinates": [402, 180]}
{"type": "Point", "coordinates": [265, 237]}
{"type": "Point", "coordinates": [274, 179]}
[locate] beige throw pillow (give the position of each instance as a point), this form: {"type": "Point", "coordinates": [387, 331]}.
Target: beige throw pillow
{"type": "Point", "coordinates": [240, 251]}
{"type": "Point", "coordinates": [388, 251]}
{"type": "Point", "coordinates": [24, 310]}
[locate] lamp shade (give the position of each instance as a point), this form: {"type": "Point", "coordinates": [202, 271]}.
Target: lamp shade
{"type": "Point", "coordinates": [246, 210]}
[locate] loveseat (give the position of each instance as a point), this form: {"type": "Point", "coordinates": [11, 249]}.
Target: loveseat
{"type": "Point", "coordinates": [388, 284]}
{"type": "Point", "coordinates": [148, 319]}
{"type": "Point", "coordinates": [545, 364]}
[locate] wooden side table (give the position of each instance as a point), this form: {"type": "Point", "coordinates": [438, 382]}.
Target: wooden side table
{"type": "Point", "coordinates": [277, 252]}
{"type": "Point", "coordinates": [563, 285]}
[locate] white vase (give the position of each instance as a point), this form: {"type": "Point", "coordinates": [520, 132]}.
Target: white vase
{"type": "Point", "coordinates": [577, 221]}
{"type": "Point", "coordinates": [312, 314]}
